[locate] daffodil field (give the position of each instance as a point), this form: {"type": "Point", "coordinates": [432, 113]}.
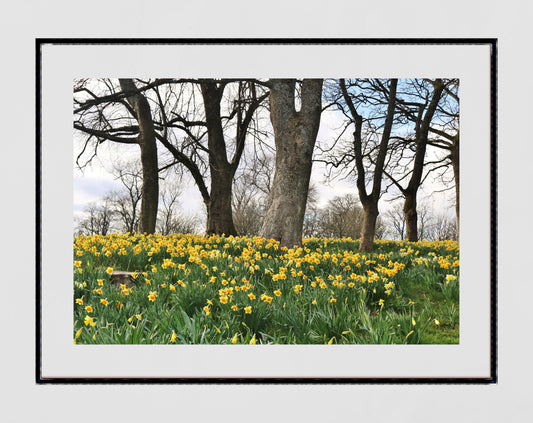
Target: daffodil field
{"type": "Point", "coordinates": [189, 289]}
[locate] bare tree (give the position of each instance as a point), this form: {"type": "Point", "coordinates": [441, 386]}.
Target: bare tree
{"type": "Point", "coordinates": [395, 221]}
{"type": "Point", "coordinates": [126, 203]}
{"type": "Point", "coordinates": [445, 131]}
{"type": "Point", "coordinates": [140, 109]}
{"type": "Point", "coordinates": [295, 135]}
{"type": "Point", "coordinates": [424, 224]}
{"type": "Point", "coordinates": [431, 226]}
{"type": "Point", "coordinates": [443, 227]}
{"type": "Point", "coordinates": [169, 194]}
{"type": "Point", "coordinates": [98, 219]}
{"type": "Point", "coordinates": [421, 113]}
{"type": "Point", "coordinates": [341, 217]}
{"type": "Point", "coordinates": [194, 131]}
{"type": "Point", "coordinates": [216, 123]}
{"type": "Point", "coordinates": [247, 211]}
{"type": "Point", "coordinates": [370, 199]}
{"type": "Point", "coordinates": [110, 116]}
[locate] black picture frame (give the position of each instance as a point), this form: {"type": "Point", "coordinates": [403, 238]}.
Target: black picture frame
{"type": "Point", "coordinates": [491, 379]}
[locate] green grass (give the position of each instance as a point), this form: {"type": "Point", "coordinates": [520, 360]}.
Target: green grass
{"type": "Point", "coordinates": [324, 292]}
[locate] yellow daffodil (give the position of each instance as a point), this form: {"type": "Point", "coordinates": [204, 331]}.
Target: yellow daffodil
{"type": "Point", "coordinates": [89, 321]}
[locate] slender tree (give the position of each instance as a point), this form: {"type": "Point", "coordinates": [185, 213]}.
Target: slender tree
{"type": "Point", "coordinates": [369, 200]}
{"type": "Point", "coordinates": [445, 133]}
{"type": "Point", "coordinates": [98, 218]}
{"type": "Point", "coordinates": [126, 202]}
{"type": "Point", "coordinates": [96, 116]}
{"type": "Point", "coordinates": [422, 121]}
{"type": "Point", "coordinates": [147, 142]}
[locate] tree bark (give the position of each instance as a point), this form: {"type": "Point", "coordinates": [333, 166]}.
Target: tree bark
{"type": "Point", "coordinates": [422, 131]}
{"type": "Point", "coordinates": [219, 211]}
{"type": "Point", "coordinates": [368, 232]}
{"type": "Point", "coordinates": [295, 135]}
{"type": "Point", "coordinates": [411, 216]}
{"type": "Point", "coordinates": [147, 142]}
{"type": "Point", "coordinates": [370, 201]}
{"type": "Point", "coordinates": [455, 166]}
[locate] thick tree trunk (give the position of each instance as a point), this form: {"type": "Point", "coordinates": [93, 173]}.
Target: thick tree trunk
{"type": "Point", "coordinates": [284, 218]}
{"type": "Point", "coordinates": [147, 143]}
{"type": "Point", "coordinates": [411, 216]}
{"type": "Point", "coordinates": [368, 232]}
{"type": "Point", "coordinates": [219, 211]}
{"type": "Point", "coordinates": [295, 136]}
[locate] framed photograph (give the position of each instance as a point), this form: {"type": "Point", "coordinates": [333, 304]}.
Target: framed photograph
{"type": "Point", "coordinates": [82, 84]}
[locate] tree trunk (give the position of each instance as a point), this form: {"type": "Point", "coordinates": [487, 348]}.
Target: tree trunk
{"type": "Point", "coordinates": [422, 131]}
{"type": "Point", "coordinates": [368, 232]}
{"type": "Point", "coordinates": [295, 136]}
{"type": "Point", "coordinates": [284, 218]}
{"type": "Point", "coordinates": [455, 167]}
{"type": "Point", "coordinates": [370, 201]}
{"type": "Point", "coordinates": [147, 143]}
{"type": "Point", "coordinates": [411, 216]}
{"type": "Point", "coordinates": [219, 211]}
